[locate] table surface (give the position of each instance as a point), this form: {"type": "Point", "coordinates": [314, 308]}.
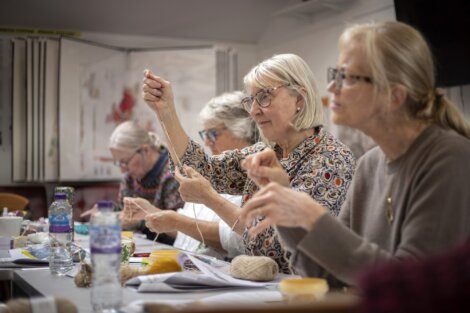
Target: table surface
{"type": "Point", "coordinates": [41, 281]}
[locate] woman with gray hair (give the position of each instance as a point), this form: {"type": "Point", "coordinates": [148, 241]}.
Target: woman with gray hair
{"type": "Point", "coordinates": [227, 126]}
{"type": "Point", "coordinates": [147, 181]}
{"type": "Point", "coordinates": [286, 106]}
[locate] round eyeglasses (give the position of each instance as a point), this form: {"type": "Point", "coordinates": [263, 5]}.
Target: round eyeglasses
{"type": "Point", "coordinates": [125, 164]}
{"type": "Point", "coordinates": [211, 134]}
{"type": "Point", "coordinates": [263, 97]}
{"type": "Point", "coordinates": [340, 78]}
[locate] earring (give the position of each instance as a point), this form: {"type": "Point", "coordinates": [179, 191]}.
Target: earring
{"type": "Point", "coordinates": [298, 109]}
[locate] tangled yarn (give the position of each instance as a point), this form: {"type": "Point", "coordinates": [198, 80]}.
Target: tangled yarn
{"type": "Point", "coordinates": [256, 268]}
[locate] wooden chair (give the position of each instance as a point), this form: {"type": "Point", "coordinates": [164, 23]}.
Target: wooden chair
{"type": "Point", "coordinates": [13, 202]}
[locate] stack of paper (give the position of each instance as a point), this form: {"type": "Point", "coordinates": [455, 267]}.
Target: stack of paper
{"type": "Point", "coordinates": [209, 278]}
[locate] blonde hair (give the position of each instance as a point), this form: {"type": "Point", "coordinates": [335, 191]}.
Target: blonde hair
{"type": "Point", "coordinates": [131, 136]}
{"type": "Point", "coordinates": [398, 54]}
{"type": "Point", "coordinates": [291, 70]}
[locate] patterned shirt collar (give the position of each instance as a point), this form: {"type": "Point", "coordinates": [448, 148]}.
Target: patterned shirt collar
{"type": "Point", "coordinates": [301, 151]}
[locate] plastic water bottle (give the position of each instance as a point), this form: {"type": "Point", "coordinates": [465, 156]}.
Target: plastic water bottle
{"type": "Point", "coordinates": [60, 235]}
{"type": "Point", "coordinates": [105, 248]}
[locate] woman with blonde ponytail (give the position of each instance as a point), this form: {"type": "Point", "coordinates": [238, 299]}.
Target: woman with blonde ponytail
{"type": "Point", "coordinates": [147, 185]}
{"type": "Point", "coordinates": [410, 196]}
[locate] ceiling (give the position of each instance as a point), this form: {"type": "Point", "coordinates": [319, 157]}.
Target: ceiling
{"type": "Point", "coordinates": [221, 20]}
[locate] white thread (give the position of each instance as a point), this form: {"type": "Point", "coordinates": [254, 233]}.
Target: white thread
{"type": "Point", "coordinates": [197, 225]}
{"type": "Point", "coordinates": [146, 212]}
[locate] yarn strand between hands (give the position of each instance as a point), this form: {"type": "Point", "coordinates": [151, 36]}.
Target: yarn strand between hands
{"type": "Point", "coordinates": [146, 212]}
{"type": "Point", "coordinates": [197, 226]}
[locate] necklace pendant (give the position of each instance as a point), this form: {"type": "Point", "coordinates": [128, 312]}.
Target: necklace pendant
{"type": "Point", "coordinates": [389, 210]}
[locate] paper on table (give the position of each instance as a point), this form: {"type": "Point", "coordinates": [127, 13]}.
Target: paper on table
{"type": "Point", "coordinates": [221, 276]}
{"type": "Point", "coordinates": [210, 278]}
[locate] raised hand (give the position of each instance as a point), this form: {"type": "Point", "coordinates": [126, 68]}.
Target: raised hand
{"type": "Point", "coordinates": [157, 93]}
{"type": "Point", "coordinates": [280, 206]}
{"type": "Point", "coordinates": [264, 167]}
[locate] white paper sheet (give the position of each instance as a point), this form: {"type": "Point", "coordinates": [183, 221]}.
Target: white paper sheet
{"type": "Point", "coordinates": [187, 281]}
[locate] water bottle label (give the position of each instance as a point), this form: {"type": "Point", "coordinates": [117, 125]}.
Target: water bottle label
{"type": "Point", "coordinates": [59, 223]}
{"type": "Point", "coordinates": [105, 239]}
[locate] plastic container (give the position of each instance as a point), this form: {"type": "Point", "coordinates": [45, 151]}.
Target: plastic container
{"type": "Point", "coordinates": [303, 290]}
{"type": "Point", "coordinates": [60, 235]}
{"type": "Point", "coordinates": [105, 248]}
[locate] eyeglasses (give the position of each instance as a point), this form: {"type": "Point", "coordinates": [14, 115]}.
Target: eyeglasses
{"type": "Point", "coordinates": [263, 97]}
{"type": "Point", "coordinates": [340, 78]}
{"type": "Point", "coordinates": [125, 164]}
{"type": "Point", "coordinates": [211, 134]}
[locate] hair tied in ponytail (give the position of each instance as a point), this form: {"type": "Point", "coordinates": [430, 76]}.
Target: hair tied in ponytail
{"type": "Point", "coordinates": [438, 95]}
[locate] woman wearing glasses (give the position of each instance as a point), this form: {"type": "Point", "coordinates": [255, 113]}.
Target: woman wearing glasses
{"type": "Point", "coordinates": [147, 179]}
{"type": "Point", "coordinates": [410, 196]}
{"type": "Point", "coordinates": [227, 126]}
{"type": "Point", "coordinates": [286, 107]}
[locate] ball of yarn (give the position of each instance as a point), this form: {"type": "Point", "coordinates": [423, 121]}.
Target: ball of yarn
{"type": "Point", "coordinates": [24, 306]}
{"type": "Point", "coordinates": [257, 268]}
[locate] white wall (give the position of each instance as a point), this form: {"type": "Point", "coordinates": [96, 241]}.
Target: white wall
{"type": "Point", "coordinates": [247, 53]}
{"type": "Point", "coordinates": [316, 41]}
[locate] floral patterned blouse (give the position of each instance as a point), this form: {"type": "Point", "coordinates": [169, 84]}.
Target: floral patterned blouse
{"type": "Point", "coordinates": [320, 165]}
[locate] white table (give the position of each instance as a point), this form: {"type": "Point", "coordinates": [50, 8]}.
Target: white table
{"type": "Point", "coordinates": [39, 282]}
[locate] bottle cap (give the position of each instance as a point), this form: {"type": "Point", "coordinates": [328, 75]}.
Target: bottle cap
{"type": "Point", "coordinates": [60, 196]}
{"type": "Point", "coordinates": [105, 204]}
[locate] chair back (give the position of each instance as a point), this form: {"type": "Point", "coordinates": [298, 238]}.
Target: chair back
{"type": "Point", "coordinates": [13, 202]}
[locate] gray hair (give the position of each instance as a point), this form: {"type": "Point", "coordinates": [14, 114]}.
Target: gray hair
{"type": "Point", "coordinates": [291, 70]}
{"type": "Point", "coordinates": [228, 110]}
{"type": "Point", "coordinates": [131, 136]}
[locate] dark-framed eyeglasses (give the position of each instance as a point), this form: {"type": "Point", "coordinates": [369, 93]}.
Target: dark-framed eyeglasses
{"type": "Point", "coordinates": [341, 78]}
{"type": "Point", "coordinates": [211, 134]}
{"type": "Point", "coordinates": [263, 97]}
{"type": "Point", "coordinates": [125, 164]}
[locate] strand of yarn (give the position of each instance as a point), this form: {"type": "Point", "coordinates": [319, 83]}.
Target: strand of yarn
{"type": "Point", "coordinates": [256, 268]}
{"type": "Point", "coordinates": [146, 212]}
{"type": "Point", "coordinates": [197, 226]}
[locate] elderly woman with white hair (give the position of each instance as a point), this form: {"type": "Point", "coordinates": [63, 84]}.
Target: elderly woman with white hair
{"type": "Point", "coordinates": [286, 106]}
{"type": "Point", "coordinates": [143, 160]}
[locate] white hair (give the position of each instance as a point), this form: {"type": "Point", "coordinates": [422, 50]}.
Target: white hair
{"type": "Point", "coordinates": [131, 136]}
{"type": "Point", "coordinates": [227, 109]}
{"type": "Point", "coordinates": [291, 70]}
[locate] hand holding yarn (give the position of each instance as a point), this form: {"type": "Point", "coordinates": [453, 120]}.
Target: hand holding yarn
{"type": "Point", "coordinates": [264, 167]}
